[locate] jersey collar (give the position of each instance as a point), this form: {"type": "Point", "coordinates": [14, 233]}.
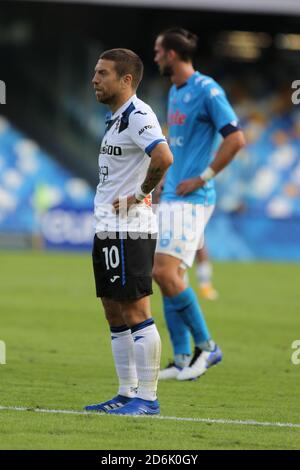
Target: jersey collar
{"type": "Point", "coordinates": [124, 106]}
{"type": "Point", "coordinates": [189, 80]}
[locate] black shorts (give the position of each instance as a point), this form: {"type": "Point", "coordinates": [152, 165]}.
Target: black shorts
{"type": "Point", "coordinates": [123, 265]}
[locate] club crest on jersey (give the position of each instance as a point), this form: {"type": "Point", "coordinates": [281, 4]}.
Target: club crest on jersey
{"type": "Point", "coordinates": [117, 125]}
{"type": "Point", "coordinates": [187, 98]}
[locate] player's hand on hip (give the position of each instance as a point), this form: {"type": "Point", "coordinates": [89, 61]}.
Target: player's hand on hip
{"type": "Point", "coordinates": [123, 204]}
{"type": "Point", "coordinates": [190, 185]}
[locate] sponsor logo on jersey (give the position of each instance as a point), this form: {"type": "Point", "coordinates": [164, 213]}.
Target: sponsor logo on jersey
{"type": "Point", "coordinates": [176, 141]}
{"type": "Point", "coordinates": [176, 118]}
{"type": "Point", "coordinates": [111, 150]}
{"type": "Point", "coordinates": [149, 126]}
{"type": "Point", "coordinates": [114, 278]}
{"type": "Point", "coordinates": [140, 112]}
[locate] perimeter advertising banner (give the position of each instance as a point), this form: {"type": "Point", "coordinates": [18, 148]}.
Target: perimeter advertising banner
{"type": "Point", "coordinates": [66, 228]}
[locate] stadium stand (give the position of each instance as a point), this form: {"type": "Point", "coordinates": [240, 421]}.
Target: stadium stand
{"type": "Point", "coordinates": [32, 184]}
{"type": "Point", "coordinates": [258, 206]}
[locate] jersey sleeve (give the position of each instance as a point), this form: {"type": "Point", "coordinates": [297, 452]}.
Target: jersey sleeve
{"type": "Point", "coordinates": [145, 130]}
{"type": "Point", "coordinates": [219, 110]}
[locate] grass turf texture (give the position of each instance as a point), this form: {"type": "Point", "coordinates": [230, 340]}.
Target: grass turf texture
{"type": "Point", "coordinates": [58, 356]}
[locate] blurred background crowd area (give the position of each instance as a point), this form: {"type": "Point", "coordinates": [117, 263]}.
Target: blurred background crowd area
{"type": "Point", "coordinates": [51, 125]}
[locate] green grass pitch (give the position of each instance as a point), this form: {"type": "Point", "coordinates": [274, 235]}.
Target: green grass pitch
{"type": "Point", "coordinates": [58, 357]}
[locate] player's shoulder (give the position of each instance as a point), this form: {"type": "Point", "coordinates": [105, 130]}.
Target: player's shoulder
{"type": "Point", "coordinates": [207, 86]}
{"type": "Point", "coordinates": [141, 108]}
{"type": "Point", "coordinates": [141, 112]}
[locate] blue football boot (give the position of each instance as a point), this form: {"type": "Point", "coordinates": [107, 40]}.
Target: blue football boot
{"type": "Point", "coordinates": [137, 406]}
{"type": "Point", "coordinates": [113, 404]}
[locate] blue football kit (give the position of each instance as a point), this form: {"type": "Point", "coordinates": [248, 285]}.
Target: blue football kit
{"type": "Point", "coordinates": [197, 111]}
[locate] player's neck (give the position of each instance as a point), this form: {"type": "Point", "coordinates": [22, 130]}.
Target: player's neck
{"type": "Point", "coordinates": [120, 100]}
{"type": "Point", "coordinates": [181, 73]}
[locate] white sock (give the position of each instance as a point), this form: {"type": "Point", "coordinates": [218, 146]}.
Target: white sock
{"type": "Point", "coordinates": [147, 348]}
{"type": "Point", "coordinates": [204, 272]}
{"type": "Point", "coordinates": [182, 360]}
{"type": "Point", "coordinates": [208, 345]}
{"type": "Point", "coordinates": [123, 353]}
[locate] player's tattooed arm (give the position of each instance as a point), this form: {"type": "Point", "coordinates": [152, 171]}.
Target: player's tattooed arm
{"type": "Point", "coordinates": [161, 159]}
{"type": "Point", "coordinates": [153, 177]}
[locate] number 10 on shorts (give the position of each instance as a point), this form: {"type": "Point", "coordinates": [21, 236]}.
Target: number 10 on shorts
{"type": "Point", "coordinates": [112, 258]}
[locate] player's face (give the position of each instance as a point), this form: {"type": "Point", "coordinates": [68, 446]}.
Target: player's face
{"type": "Point", "coordinates": [161, 58]}
{"type": "Point", "coordinates": [107, 84]}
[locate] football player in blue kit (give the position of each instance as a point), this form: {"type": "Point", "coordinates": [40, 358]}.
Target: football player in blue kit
{"type": "Point", "coordinates": [198, 110]}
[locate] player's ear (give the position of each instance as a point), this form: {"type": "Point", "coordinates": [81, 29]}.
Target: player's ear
{"type": "Point", "coordinates": [171, 54]}
{"type": "Point", "coordinates": [127, 80]}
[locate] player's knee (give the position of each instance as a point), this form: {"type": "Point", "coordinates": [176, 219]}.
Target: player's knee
{"type": "Point", "coordinates": [160, 275]}
{"type": "Point", "coordinates": [112, 312]}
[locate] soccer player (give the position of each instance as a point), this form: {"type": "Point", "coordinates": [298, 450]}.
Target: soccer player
{"type": "Point", "coordinates": [197, 110]}
{"type": "Point", "coordinates": [134, 156]}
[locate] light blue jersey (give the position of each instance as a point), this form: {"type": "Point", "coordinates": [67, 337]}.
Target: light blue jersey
{"type": "Point", "coordinates": [197, 112]}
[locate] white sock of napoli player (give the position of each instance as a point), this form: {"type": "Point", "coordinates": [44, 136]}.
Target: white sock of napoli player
{"type": "Point", "coordinates": [123, 352]}
{"type": "Point", "coordinates": [204, 272]}
{"type": "Point", "coordinates": [147, 348]}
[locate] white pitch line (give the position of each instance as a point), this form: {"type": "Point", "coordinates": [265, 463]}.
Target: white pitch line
{"type": "Point", "coordinates": [170, 418]}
